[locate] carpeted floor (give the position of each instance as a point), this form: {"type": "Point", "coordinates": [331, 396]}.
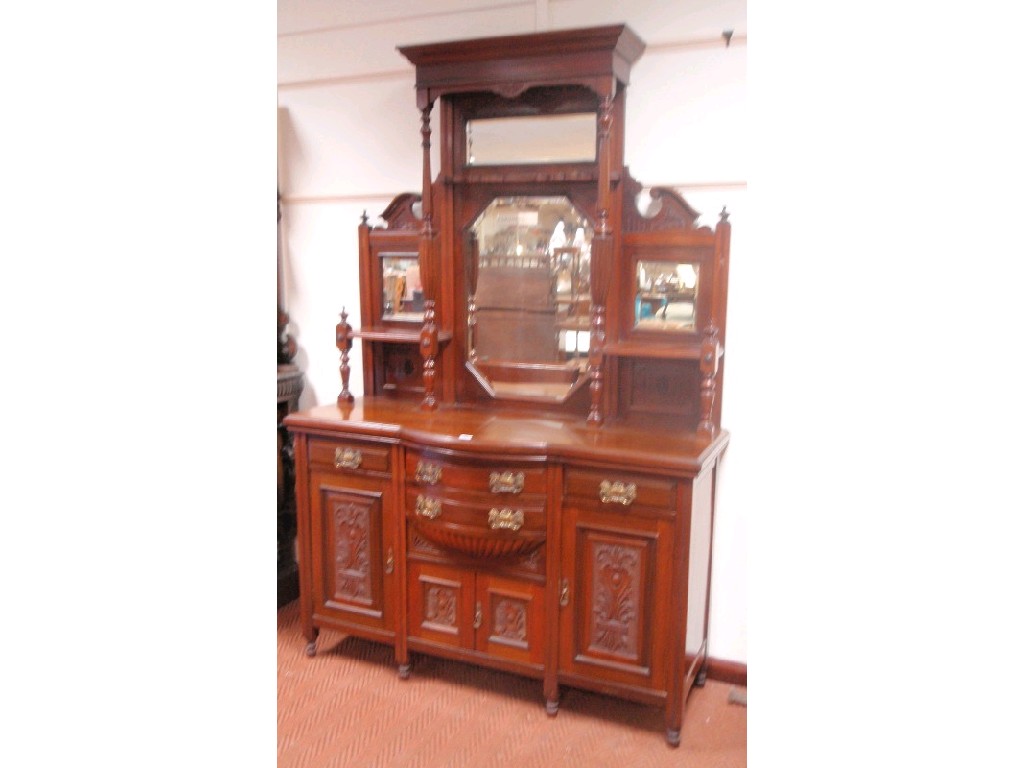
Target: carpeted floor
{"type": "Point", "coordinates": [347, 708]}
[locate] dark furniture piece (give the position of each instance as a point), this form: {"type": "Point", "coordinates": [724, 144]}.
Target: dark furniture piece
{"type": "Point", "coordinates": [289, 387]}
{"type": "Point", "coordinates": [528, 482]}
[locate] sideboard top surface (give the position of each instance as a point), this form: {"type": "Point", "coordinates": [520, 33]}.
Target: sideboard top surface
{"type": "Point", "coordinates": [477, 430]}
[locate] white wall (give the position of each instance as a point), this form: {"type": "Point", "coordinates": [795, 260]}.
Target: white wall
{"type": "Point", "coordinates": [349, 141]}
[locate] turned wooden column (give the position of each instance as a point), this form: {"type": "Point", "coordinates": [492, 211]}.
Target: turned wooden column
{"type": "Point", "coordinates": [708, 371]}
{"type": "Point", "coordinates": [602, 253]}
{"type": "Point", "coordinates": [472, 272]}
{"type": "Point", "coordinates": [429, 345]}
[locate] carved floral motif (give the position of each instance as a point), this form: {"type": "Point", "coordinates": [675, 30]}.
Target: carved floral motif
{"type": "Point", "coordinates": [616, 599]}
{"type": "Point", "coordinates": [510, 620]}
{"type": "Point", "coordinates": [352, 551]}
{"type": "Point", "coordinates": [440, 606]}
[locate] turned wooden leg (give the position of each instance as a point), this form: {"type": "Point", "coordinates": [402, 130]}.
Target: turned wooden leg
{"type": "Point", "coordinates": [674, 722]}
{"type": "Point", "coordinates": [551, 691]}
{"type": "Point", "coordinates": [311, 636]}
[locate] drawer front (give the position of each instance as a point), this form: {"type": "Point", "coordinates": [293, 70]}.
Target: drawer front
{"type": "Point", "coordinates": [499, 533]}
{"type": "Point", "coordinates": [349, 456]}
{"type": "Point", "coordinates": [501, 479]}
{"type": "Point", "coordinates": [502, 516]}
{"type": "Point", "coordinates": [611, 490]}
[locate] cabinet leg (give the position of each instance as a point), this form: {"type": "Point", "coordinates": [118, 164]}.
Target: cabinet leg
{"type": "Point", "coordinates": [403, 659]}
{"type": "Point", "coordinates": [311, 636]}
{"type": "Point", "coordinates": [551, 696]}
{"type": "Point", "coordinates": [702, 676]}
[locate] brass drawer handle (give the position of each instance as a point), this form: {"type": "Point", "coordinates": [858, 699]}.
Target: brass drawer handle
{"type": "Point", "coordinates": [507, 482]}
{"type": "Point", "coordinates": [427, 507]}
{"type": "Point", "coordinates": [478, 616]}
{"type": "Point", "coordinates": [506, 519]}
{"type": "Point", "coordinates": [427, 472]}
{"type": "Point", "coordinates": [347, 458]}
{"type": "Point", "coordinates": [617, 493]}
{"type": "Point", "coordinates": [563, 596]}
{"type": "Point", "coordinates": [389, 564]}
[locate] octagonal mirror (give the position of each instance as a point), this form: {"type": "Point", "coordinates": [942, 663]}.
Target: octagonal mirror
{"type": "Point", "coordinates": [528, 303]}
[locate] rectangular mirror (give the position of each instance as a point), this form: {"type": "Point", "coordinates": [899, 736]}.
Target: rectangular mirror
{"type": "Point", "coordinates": [532, 140]}
{"type": "Point", "coordinates": [403, 291]}
{"type": "Point", "coordinates": [666, 295]}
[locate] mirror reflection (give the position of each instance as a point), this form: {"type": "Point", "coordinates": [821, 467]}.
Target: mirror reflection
{"type": "Point", "coordinates": [403, 291]}
{"type": "Point", "coordinates": [666, 295]}
{"type": "Point", "coordinates": [533, 139]}
{"type": "Point", "coordinates": [529, 296]}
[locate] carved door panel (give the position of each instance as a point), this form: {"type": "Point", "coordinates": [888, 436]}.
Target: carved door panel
{"type": "Point", "coordinates": [615, 598]}
{"type": "Point", "coordinates": [441, 604]}
{"type": "Point", "coordinates": [510, 615]}
{"type": "Point", "coordinates": [353, 564]}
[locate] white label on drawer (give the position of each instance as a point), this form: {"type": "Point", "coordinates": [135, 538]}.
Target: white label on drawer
{"type": "Point", "coordinates": [465, 437]}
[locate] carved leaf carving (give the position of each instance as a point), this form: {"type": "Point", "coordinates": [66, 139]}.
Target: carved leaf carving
{"type": "Point", "coordinates": [352, 551]}
{"type": "Point", "coordinates": [510, 620]}
{"type": "Point", "coordinates": [440, 606]}
{"type": "Point", "coordinates": [616, 599]}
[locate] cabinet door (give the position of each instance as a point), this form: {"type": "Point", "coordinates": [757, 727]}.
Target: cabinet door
{"type": "Point", "coordinates": [442, 604]}
{"type": "Point", "coordinates": [511, 618]}
{"type": "Point", "coordinates": [352, 563]}
{"type": "Point", "coordinates": [616, 572]}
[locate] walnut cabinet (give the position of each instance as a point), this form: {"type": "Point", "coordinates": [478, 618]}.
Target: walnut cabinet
{"type": "Point", "coordinates": [528, 479]}
{"type": "Point", "coordinates": [581, 560]}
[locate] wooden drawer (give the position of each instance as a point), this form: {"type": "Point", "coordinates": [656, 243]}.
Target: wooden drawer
{"type": "Point", "coordinates": [489, 531]}
{"type": "Point", "coordinates": [349, 456]}
{"type": "Point", "coordinates": [501, 479]}
{"type": "Point", "coordinates": [620, 490]}
{"type": "Point", "coordinates": [435, 507]}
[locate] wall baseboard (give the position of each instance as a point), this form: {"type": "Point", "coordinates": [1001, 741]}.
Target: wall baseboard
{"type": "Point", "coordinates": [734, 672]}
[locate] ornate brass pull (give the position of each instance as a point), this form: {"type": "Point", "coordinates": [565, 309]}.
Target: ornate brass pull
{"type": "Point", "coordinates": [507, 482]}
{"type": "Point", "coordinates": [478, 617]}
{"type": "Point", "coordinates": [427, 507]}
{"type": "Point", "coordinates": [505, 519]}
{"type": "Point", "coordinates": [617, 493]}
{"type": "Point", "coordinates": [427, 472]}
{"type": "Point", "coordinates": [347, 458]}
{"type": "Point", "coordinates": [389, 564]}
{"type": "Point", "coordinates": [563, 596]}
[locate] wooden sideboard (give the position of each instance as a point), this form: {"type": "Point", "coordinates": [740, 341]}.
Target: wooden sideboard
{"type": "Point", "coordinates": [538, 546]}
{"type": "Point", "coordinates": [528, 482]}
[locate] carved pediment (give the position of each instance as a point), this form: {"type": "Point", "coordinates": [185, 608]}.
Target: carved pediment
{"type": "Point", "coordinates": [668, 209]}
{"type": "Point", "coordinates": [401, 213]}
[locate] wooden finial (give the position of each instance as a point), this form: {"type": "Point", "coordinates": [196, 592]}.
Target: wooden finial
{"type": "Point", "coordinates": [343, 339]}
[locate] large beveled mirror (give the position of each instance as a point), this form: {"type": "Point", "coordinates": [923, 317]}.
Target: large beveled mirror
{"type": "Point", "coordinates": [528, 285]}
